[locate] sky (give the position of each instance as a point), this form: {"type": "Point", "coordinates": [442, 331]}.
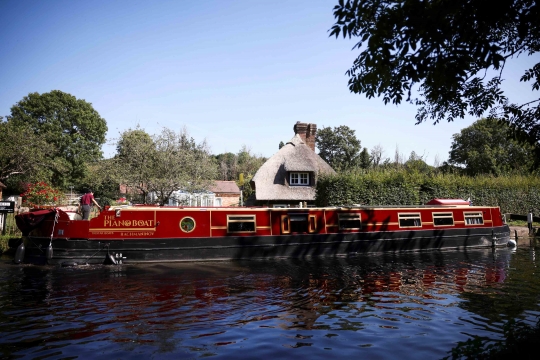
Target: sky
{"type": "Point", "coordinates": [233, 73]}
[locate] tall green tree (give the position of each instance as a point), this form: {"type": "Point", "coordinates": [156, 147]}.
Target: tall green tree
{"type": "Point", "coordinates": [488, 147]}
{"type": "Point", "coordinates": [136, 155]}
{"type": "Point", "coordinates": [450, 52]}
{"type": "Point", "coordinates": [71, 125]}
{"type": "Point", "coordinates": [339, 147]}
{"type": "Point", "coordinates": [365, 160]}
{"type": "Point", "coordinates": [165, 163]}
{"type": "Point", "coordinates": [244, 162]}
{"type": "Point", "coordinates": [416, 163]}
{"type": "Point", "coordinates": [181, 164]}
{"type": "Point", "coordinates": [104, 178]}
{"type": "Point", "coordinates": [23, 155]}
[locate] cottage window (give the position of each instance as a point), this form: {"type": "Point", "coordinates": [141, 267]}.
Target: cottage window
{"type": "Point", "coordinates": [299, 178]}
{"type": "Point", "coordinates": [473, 218]}
{"type": "Point", "coordinates": [243, 223]}
{"type": "Point", "coordinates": [443, 219]}
{"type": "Point", "coordinates": [409, 220]}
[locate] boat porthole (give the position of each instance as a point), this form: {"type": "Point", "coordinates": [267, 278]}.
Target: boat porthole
{"type": "Point", "coordinates": [187, 224]}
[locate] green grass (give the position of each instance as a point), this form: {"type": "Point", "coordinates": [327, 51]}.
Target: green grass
{"type": "Point", "coordinates": [521, 223]}
{"type": "Point", "coordinates": [4, 239]}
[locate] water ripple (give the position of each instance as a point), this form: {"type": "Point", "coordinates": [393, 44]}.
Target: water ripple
{"type": "Point", "coordinates": [373, 306]}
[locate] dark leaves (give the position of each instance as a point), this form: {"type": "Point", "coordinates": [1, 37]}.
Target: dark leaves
{"type": "Point", "coordinates": [441, 50]}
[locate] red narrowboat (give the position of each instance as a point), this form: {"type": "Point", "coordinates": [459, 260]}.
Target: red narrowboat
{"type": "Point", "coordinates": [136, 234]}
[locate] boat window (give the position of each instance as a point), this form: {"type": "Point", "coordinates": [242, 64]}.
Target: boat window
{"type": "Point", "coordinates": [473, 218]}
{"type": "Point", "coordinates": [187, 224]}
{"type": "Point", "coordinates": [349, 222]}
{"type": "Point", "coordinates": [299, 222]}
{"type": "Point", "coordinates": [285, 224]}
{"type": "Point", "coordinates": [443, 219]}
{"type": "Point", "coordinates": [409, 220]}
{"type": "Point", "coordinates": [312, 223]}
{"type": "Point", "coordinates": [241, 223]}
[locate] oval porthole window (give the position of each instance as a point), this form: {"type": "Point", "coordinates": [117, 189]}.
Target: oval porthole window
{"type": "Point", "coordinates": [187, 224]}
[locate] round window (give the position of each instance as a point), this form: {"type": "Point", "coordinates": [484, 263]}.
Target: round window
{"type": "Point", "coordinates": [187, 224]}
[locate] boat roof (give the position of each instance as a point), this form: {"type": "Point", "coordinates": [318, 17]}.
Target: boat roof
{"type": "Point", "coordinates": [260, 208]}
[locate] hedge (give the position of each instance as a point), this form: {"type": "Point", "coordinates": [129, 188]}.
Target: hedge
{"type": "Point", "coordinates": [513, 194]}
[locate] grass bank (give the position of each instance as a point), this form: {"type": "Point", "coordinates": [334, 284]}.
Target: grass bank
{"type": "Point", "coordinates": [4, 240]}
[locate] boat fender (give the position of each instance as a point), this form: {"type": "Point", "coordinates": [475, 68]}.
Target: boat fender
{"type": "Point", "coordinates": [19, 254]}
{"type": "Point", "coordinates": [49, 252]}
{"type": "Point", "coordinates": [512, 243]}
{"type": "Point", "coordinates": [110, 260]}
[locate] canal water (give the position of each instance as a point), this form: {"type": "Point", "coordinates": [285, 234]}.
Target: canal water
{"type": "Point", "coordinates": [384, 306]}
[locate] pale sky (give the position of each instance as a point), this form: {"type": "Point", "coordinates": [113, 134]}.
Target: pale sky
{"type": "Point", "coordinates": [233, 72]}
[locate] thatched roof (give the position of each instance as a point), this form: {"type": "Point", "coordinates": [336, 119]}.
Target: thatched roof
{"type": "Point", "coordinates": [270, 179]}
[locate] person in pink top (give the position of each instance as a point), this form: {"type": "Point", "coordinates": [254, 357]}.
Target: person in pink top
{"type": "Point", "coordinates": [86, 204]}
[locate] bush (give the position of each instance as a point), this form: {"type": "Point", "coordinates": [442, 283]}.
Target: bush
{"type": "Point", "coordinates": [41, 194]}
{"type": "Point", "coordinates": [513, 194]}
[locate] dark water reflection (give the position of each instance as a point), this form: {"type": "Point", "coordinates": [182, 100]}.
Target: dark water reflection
{"type": "Point", "coordinates": [409, 306]}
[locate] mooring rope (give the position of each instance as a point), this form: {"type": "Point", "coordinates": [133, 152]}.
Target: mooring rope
{"type": "Point", "coordinates": [99, 249]}
{"type": "Point", "coordinates": [54, 224]}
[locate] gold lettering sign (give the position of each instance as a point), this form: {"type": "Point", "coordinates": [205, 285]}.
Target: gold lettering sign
{"type": "Point", "coordinates": [128, 223]}
{"type": "Point", "coordinates": [112, 222]}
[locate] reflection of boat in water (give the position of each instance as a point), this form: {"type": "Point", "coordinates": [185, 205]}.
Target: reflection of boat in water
{"type": "Point", "coordinates": [197, 307]}
{"type": "Point", "coordinates": [134, 234]}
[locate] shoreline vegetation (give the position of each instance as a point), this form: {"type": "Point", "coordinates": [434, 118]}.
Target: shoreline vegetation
{"type": "Point", "coordinates": [514, 194]}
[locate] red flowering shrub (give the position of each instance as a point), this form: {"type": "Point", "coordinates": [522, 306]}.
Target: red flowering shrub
{"type": "Point", "coordinates": [39, 194]}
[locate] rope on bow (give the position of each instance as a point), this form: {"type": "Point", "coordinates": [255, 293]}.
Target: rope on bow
{"type": "Point", "coordinates": [54, 223]}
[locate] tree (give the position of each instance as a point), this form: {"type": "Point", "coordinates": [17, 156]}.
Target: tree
{"type": "Point", "coordinates": [453, 52]}
{"type": "Point", "coordinates": [376, 155]}
{"type": "Point", "coordinates": [487, 147]}
{"type": "Point", "coordinates": [23, 155]}
{"type": "Point", "coordinates": [104, 178]}
{"type": "Point", "coordinates": [180, 164]}
{"type": "Point", "coordinates": [338, 147]}
{"type": "Point", "coordinates": [281, 144]}
{"type": "Point", "coordinates": [245, 162]}
{"type": "Point", "coordinates": [228, 166]}
{"type": "Point", "coordinates": [136, 154]}
{"type": "Point", "coordinates": [70, 125]}
{"type": "Point", "coordinates": [364, 159]}
{"type": "Point", "coordinates": [248, 164]}
{"type": "Point", "coordinates": [417, 164]}
{"type": "Point", "coordinates": [165, 163]}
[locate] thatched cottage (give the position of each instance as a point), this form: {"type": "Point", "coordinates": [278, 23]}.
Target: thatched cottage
{"type": "Point", "coordinates": [290, 175]}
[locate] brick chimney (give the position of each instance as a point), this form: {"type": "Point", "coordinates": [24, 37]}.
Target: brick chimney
{"type": "Point", "coordinates": [307, 133]}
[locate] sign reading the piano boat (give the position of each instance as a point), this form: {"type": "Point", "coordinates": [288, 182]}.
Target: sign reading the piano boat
{"type": "Point", "coordinates": [135, 224]}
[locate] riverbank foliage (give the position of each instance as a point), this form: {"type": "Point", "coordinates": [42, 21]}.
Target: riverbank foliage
{"type": "Point", "coordinates": [3, 243]}
{"type": "Point", "coordinates": [520, 342]}
{"type": "Point", "coordinates": [512, 193]}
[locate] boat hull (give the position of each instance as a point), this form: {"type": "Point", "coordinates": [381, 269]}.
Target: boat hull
{"type": "Point", "coordinates": [104, 251]}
